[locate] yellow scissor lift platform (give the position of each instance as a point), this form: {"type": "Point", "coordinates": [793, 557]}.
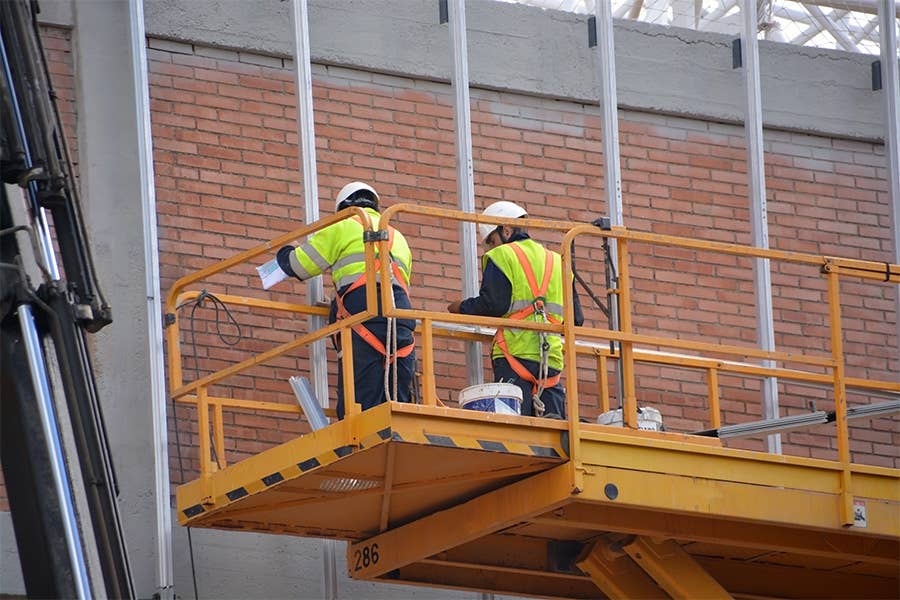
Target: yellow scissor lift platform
{"type": "Point", "coordinates": [439, 496]}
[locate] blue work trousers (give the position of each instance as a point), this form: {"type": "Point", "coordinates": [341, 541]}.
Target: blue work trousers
{"type": "Point", "coordinates": [369, 365]}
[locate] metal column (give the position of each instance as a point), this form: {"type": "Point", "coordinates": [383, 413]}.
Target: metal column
{"type": "Point", "coordinates": [314, 289]}
{"type": "Point", "coordinates": [890, 87]}
{"type": "Point", "coordinates": [57, 465]}
{"type": "Point", "coordinates": [165, 570]}
{"type": "Point", "coordinates": [465, 187]}
{"type": "Point", "coordinates": [759, 229]}
{"type": "Point", "coordinates": [609, 108]}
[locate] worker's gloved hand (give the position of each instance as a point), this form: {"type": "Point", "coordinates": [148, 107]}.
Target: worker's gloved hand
{"type": "Point", "coordinates": [284, 259]}
{"type": "Point", "coordinates": [453, 307]}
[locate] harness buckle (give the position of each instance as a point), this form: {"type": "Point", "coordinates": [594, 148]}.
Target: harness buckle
{"type": "Point", "coordinates": [376, 236]}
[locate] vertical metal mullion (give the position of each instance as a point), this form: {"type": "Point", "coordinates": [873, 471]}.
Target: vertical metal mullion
{"type": "Point", "coordinates": [314, 287]}
{"type": "Point", "coordinates": [165, 566]}
{"type": "Point", "coordinates": [762, 277]}
{"type": "Point", "coordinates": [609, 108]}
{"type": "Point", "coordinates": [465, 186]}
{"type": "Point", "coordinates": [890, 87]}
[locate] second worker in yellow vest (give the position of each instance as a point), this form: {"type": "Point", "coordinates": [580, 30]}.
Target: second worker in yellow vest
{"type": "Point", "coordinates": [522, 280]}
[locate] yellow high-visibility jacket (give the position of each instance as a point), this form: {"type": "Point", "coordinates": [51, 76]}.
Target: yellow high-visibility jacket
{"type": "Point", "coordinates": [340, 247]}
{"type": "Point", "coordinates": [523, 343]}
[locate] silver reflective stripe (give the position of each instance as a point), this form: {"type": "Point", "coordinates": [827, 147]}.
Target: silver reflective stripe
{"type": "Point", "coordinates": [403, 268]}
{"type": "Point", "coordinates": [359, 257]}
{"type": "Point", "coordinates": [314, 256]}
{"type": "Point", "coordinates": [299, 269]}
{"type": "Point", "coordinates": [343, 281]}
{"type": "Point", "coordinates": [552, 308]}
{"type": "Point", "coordinates": [515, 330]}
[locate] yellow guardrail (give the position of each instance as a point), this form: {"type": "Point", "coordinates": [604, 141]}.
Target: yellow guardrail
{"type": "Point", "coordinates": [828, 369]}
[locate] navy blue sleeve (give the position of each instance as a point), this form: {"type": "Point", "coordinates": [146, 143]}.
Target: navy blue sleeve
{"type": "Point", "coordinates": [284, 261]}
{"type": "Point", "coordinates": [494, 296]}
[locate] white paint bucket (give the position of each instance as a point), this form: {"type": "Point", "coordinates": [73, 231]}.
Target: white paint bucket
{"type": "Point", "coordinates": [503, 398]}
{"type": "Point", "coordinates": [649, 419]}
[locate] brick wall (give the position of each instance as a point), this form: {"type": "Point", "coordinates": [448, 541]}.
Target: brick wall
{"type": "Point", "coordinates": [228, 177]}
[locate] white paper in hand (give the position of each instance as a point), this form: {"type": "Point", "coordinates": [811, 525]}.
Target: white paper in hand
{"type": "Point", "coordinates": [270, 273]}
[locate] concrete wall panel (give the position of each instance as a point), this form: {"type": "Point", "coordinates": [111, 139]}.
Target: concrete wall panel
{"type": "Point", "coordinates": [545, 52]}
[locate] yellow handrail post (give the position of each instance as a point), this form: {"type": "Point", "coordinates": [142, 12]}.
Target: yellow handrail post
{"type": "Point", "coordinates": [371, 276]}
{"type": "Point", "coordinates": [203, 440]}
{"type": "Point", "coordinates": [429, 392]}
{"type": "Point", "coordinates": [571, 365]}
{"type": "Point", "coordinates": [219, 435]}
{"type": "Point", "coordinates": [384, 273]}
{"type": "Point", "coordinates": [603, 382]}
{"type": "Point", "coordinates": [173, 346]}
{"type": "Point", "coordinates": [629, 404]}
{"type": "Point", "coordinates": [712, 382]}
{"type": "Point", "coordinates": [351, 408]}
{"type": "Point", "coordinates": [840, 392]}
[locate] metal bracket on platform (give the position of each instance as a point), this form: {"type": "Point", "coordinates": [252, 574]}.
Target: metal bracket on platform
{"type": "Point", "coordinates": [375, 236]}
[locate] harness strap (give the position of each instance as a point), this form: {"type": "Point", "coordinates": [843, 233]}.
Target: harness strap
{"type": "Point", "coordinates": [359, 328]}
{"type": "Point", "coordinates": [522, 372]}
{"type": "Point", "coordinates": [539, 294]}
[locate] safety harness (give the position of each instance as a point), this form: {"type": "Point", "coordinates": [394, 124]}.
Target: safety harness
{"type": "Point", "coordinates": [359, 328]}
{"type": "Point", "coordinates": [537, 307]}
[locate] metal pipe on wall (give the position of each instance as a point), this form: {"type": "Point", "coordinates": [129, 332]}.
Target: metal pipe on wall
{"type": "Point", "coordinates": [164, 568]}
{"type": "Point", "coordinates": [609, 108]}
{"type": "Point", "coordinates": [759, 228]}
{"type": "Point", "coordinates": [465, 187]}
{"type": "Point", "coordinates": [314, 287]}
{"type": "Point", "coordinates": [890, 87]}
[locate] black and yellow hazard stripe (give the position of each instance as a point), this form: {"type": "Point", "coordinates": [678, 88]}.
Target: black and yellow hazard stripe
{"type": "Point", "coordinates": [376, 438]}
{"type": "Point", "coordinates": [473, 443]}
{"type": "Point", "coordinates": [555, 451]}
{"type": "Point", "coordinates": [274, 478]}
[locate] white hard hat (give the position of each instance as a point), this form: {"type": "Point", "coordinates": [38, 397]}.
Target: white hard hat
{"type": "Point", "coordinates": [350, 189]}
{"type": "Point", "coordinates": [501, 208]}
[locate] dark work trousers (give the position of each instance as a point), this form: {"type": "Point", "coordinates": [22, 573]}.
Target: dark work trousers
{"type": "Point", "coordinates": [554, 398]}
{"type": "Point", "coordinates": [369, 364]}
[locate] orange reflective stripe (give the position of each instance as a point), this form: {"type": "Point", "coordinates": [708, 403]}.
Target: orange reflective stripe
{"type": "Point", "coordinates": [529, 272]}
{"type": "Point", "coordinates": [526, 267]}
{"type": "Point", "coordinates": [548, 267]}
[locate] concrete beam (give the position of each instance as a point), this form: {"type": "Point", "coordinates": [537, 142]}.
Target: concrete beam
{"type": "Point", "coordinates": [544, 52]}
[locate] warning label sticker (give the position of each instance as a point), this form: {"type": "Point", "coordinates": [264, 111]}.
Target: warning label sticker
{"type": "Point", "coordinates": [859, 513]}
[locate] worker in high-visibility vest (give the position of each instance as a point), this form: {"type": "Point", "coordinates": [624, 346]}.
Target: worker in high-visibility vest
{"type": "Point", "coordinates": [383, 349]}
{"type": "Point", "coordinates": [522, 280]}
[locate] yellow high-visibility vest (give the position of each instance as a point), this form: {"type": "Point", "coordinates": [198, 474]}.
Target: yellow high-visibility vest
{"type": "Point", "coordinates": [523, 343]}
{"type": "Point", "coordinates": [340, 247]}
